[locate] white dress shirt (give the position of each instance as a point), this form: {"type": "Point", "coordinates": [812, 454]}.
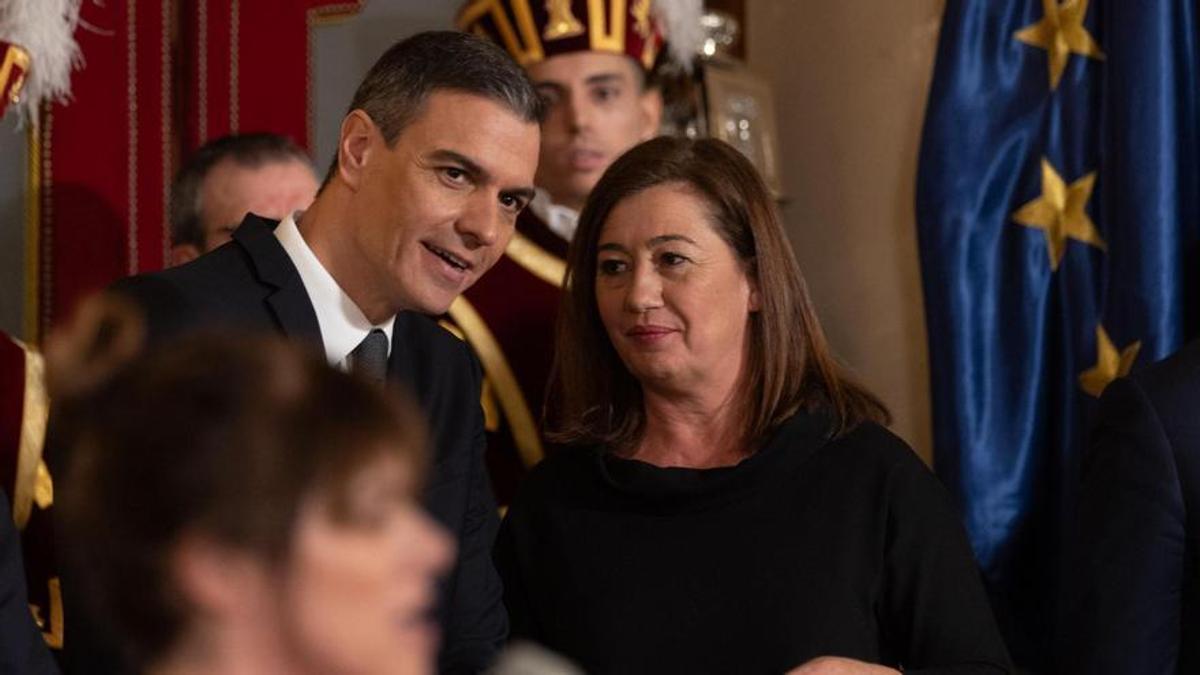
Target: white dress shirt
{"type": "Point", "coordinates": [343, 324]}
{"type": "Point", "coordinates": [562, 220]}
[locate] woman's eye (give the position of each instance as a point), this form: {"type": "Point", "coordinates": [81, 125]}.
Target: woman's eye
{"type": "Point", "coordinates": [672, 259]}
{"type": "Point", "coordinates": [610, 267]}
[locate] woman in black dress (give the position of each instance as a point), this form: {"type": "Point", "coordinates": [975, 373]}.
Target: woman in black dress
{"type": "Point", "coordinates": [729, 500]}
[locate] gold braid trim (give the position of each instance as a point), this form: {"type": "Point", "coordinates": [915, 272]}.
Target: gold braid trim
{"type": "Point", "coordinates": [536, 260]}
{"type": "Point", "coordinates": [502, 379]}
{"type": "Point", "coordinates": [33, 480]}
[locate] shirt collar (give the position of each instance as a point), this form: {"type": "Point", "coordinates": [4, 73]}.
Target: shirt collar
{"type": "Point", "coordinates": [562, 220]}
{"type": "Point", "coordinates": [343, 325]}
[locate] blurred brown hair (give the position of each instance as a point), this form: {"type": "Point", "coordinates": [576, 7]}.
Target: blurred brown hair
{"type": "Point", "coordinates": [592, 396]}
{"type": "Point", "coordinates": [224, 435]}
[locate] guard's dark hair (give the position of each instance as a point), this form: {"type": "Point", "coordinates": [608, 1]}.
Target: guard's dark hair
{"type": "Point", "coordinates": [394, 91]}
{"type": "Point", "coordinates": [593, 398]}
{"type": "Point", "coordinates": [250, 150]}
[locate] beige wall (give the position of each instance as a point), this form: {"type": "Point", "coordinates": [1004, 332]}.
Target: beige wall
{"type": "Point", "coordinates": [850, 79]}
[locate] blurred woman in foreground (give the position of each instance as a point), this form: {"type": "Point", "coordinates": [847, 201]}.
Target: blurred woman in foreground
{"type": "Point", "coordinates": [733, 503]}
{"type": "Point", "coordinates": [236, 506]}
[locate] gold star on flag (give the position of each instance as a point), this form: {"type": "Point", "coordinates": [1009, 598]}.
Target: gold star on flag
{"type": "Point", "coordinates": [1061, 33]}
{"type": "Point", "coordinates": [1110, 364]}
{"type": "Point", "coordinates": [1060, 213]}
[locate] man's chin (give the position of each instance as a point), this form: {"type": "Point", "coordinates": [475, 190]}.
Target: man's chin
{"type": "Point", "coordinates": [438, 306]}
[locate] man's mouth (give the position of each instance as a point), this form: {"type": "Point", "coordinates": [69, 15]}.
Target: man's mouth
{"type": "Point", "coordinates": [451, 259]}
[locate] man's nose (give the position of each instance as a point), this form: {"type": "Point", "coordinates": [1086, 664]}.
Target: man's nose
{"type": "Point", "coordinates": [480, 224]}
{"type": "Point", "coordinates": [579, 113]}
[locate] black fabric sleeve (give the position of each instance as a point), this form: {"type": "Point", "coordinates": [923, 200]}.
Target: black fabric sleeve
{"type": "Point", "coordinates": [22, 649]}
{"type": "Point", "coordinates": [1124, 612]}
{"type": "Point", "coordinates": [476, 625]}
{"type": "Point", "coordinates": [934, 611]}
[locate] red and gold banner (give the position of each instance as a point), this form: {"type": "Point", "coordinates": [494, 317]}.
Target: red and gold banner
{"type": "Point", "coordinates": [161, 77]}
{"type": "Point", "coordinates": [247, 66]}
{"type": "Point", "coordinates": [14, 63]}
{"type": "Point", "coordinates": [104, 160]}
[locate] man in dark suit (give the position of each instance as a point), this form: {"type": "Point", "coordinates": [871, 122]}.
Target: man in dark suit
{"type": "Point", "coordinates": [1136, 608]}
{"type": "Point", "coordinates": [435, 160]}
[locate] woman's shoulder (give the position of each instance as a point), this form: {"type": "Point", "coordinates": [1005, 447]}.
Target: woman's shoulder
{"type": "Point", "coordinates": [900, 475]}
{"type": "Point", "coordinates": [867, 444]}
{"type": "Point", "coordinates": [871, 440]}
{"type": "Point", "coordinates": [868, 453]}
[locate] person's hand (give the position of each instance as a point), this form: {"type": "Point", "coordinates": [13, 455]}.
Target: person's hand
{"type": "Point", "coordinates": [836, 665]}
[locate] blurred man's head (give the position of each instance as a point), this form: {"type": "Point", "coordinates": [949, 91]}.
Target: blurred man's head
{"type": "Point", "coordinates": [593, 75]}
{"type": "Point", "coordinates": [283, 531]}
{"type": "Point", "coordinates": [227, 178]}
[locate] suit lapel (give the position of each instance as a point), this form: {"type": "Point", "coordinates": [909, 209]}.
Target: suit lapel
{"type": "Point", "coordinates": [287, 299]}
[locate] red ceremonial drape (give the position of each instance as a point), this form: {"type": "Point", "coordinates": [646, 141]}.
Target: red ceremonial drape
{"type": "Point", "coordinates": [161, 78]}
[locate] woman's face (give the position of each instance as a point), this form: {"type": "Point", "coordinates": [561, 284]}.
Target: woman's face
{"type": "Point", "coordinates": [673, 296]}
{"type": "Point", "coordinates": [358, 593]}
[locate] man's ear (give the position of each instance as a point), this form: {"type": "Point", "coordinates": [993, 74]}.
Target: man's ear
{"type": "Point", "coordinates": [354, 147]}
{"type": "Point", "coordinates": [183, 253]}
{"type": "Point", "coordinates": [651, 102]}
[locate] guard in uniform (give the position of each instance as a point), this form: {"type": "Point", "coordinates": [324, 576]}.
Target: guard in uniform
{"type": "Point", "coordinates": [593, 62]}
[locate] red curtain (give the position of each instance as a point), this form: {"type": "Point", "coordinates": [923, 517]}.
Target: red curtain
{"type": "Point", "coordinates": [161, 78]}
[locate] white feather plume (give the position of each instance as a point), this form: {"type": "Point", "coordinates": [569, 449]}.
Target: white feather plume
{"type": "Point", "coordinates": [680, 21]}
{"type": "Point", "coordinates": [45, 29]}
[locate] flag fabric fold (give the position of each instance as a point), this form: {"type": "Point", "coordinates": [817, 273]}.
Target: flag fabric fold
{"type": "Point", "coordinates": [1058, 211]}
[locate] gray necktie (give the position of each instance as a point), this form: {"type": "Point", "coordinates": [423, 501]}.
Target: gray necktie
{"type": "Point", "coordinates": [369, 358]}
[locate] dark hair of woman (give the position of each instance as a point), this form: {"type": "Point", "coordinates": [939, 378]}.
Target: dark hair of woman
{"type": "Point", "coordinates": [593, 399]}
{"type": "Point", "coordinates": [221, 434]}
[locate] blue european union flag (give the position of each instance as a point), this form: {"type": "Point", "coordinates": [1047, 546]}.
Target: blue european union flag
{"type": "Point", "coordinates": [1058, 208]}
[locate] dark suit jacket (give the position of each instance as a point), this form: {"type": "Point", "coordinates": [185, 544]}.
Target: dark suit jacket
{"type": "Point", "coordinates": [22, 649]}
{"type": "Point", "coordinates": [1137, 606]}
{"type": "Point", "coordinates": [251, 283]}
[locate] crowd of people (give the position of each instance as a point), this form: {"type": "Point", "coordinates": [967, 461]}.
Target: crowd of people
{"type": "Point", "coordinates": [278, 455]}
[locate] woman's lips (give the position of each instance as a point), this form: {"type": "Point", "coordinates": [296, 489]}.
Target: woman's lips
{"type": "Point", "coordinates": [649, 334]}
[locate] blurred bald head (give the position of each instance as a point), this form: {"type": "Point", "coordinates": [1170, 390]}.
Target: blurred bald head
{"type": "Point", "coordinates": [264, 174]}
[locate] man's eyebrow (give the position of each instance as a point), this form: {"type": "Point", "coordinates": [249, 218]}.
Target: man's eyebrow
{"type": "Point", "coordinates": [479, 174]}
{"type": "Point", "coordinates": [469, 165]}
{"type": "Point", "coordinates": [604, 78]}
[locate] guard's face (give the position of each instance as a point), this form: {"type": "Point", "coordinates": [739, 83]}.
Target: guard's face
{"type": "Point", "coordinates": [435, 211]}
{"type": "Point", "coordinates": [597, 109]}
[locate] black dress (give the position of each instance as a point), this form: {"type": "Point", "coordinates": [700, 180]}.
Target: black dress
{"type": "Point", "coordinates": [810, 547]}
